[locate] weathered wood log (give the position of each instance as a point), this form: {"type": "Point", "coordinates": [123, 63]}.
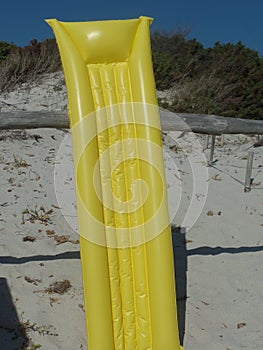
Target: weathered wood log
{"type": "Point", "coordinates": [33, 120]}
{"type": "Point", "coordinates": [198, 123]}
{"type": "Point", "coordinates": [209, 124]}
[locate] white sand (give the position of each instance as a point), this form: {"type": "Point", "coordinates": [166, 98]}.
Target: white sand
{"type": "Point", "coordinates": [219, 260]}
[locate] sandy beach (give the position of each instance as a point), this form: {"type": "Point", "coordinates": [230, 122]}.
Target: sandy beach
{"type": "Point", "coordinates": [218, 248]}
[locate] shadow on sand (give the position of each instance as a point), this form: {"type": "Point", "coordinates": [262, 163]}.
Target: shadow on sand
{"type": "Point", "coordinates": [12, 333]}
{"type": "Point", "coordinates": [180, 263]}
{"type": "Point", "coordinates": [9, 323]}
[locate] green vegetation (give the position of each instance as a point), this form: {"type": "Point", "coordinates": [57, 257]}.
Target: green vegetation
{"type": "Point", "coordinates": [5, 49]}
{"type": "Point", "coordinates": [225, 80]}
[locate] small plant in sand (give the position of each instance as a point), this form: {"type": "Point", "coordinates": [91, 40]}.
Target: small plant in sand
{"type": "Point", "coordinates": [19, 163]}
{"type": "Point", "coordinates": [31, 346]}
{"type": "Point", "coordinates": [42, 330]}
{"type": "Point", "coordinates": [27, 327]}
{"type": "Point", "coordinates": [60, 239]}
{"type": "Point", "coordinates": [40, 215]}
{"type": "Point", "coordinates": [59, 287]}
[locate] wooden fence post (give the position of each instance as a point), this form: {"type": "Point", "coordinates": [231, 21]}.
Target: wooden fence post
{"type": "Point", "coordinates": [223, 140]}
{"type": "Point", "coordinates": [248, 179]}
{"type": "Point", "coordinates": [207, 137]}
{"type": "Point", "coordinates": [212, 149]}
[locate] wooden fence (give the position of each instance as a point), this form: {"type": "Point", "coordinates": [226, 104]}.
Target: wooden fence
{"type": "Point", "coordinates": [198, 123]}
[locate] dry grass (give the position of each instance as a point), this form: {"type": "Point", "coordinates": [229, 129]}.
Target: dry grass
{"type": "Point", "coordinates": [59, 287]}
{"type": "Point", "coordinates": [40, 215]}
{"type": "Point", "coordinates": [205, 94]}
{"type": "Point", "coordinates": [25, 64]}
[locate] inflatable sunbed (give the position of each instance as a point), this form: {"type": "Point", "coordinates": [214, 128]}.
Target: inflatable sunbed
{"type": "Point", "coordinates": [124, 227]}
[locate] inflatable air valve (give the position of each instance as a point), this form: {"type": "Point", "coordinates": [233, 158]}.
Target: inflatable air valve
{"type": "Point", "coordinates": [125, 238]}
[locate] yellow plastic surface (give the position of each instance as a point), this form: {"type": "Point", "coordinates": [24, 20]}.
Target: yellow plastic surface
{"type": "Point", "coordinates": [125, 238]}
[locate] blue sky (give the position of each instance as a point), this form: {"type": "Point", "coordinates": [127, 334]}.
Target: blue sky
{"type": "Point", "coordinates": [208, 21]}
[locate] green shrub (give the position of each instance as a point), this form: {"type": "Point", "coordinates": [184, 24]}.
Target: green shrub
{"type": "Point", "coordinates": [5, 49]}
{"type": "Point", "coordinates": [226, 80]}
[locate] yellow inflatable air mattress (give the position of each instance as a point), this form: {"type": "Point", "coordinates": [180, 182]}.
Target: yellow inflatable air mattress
{"type": "Point", "coordinates": [125, 238]}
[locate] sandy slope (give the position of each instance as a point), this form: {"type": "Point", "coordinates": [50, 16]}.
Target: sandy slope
{"type": "Point", "coordinates": [218, 260]}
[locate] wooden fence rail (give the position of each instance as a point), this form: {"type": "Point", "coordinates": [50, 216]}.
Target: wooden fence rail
{"type": "Point", "coordinates": [198, 123]}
